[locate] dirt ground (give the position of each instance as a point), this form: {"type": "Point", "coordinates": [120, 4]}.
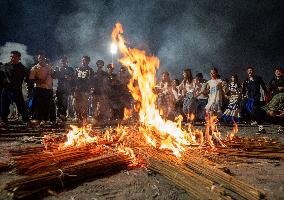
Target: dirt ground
{"type": "Point", "coordinates": [266, 175]}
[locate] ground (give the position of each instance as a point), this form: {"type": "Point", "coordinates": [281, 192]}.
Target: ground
{"type": "Point", "coordinates": [267, 175]}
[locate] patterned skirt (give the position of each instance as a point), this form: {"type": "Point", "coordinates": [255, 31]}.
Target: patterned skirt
{"type": "Point", "coordinates": [232, 112]}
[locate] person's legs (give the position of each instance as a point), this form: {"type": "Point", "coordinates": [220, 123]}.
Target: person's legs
{"type": "Point", "coordinates": [258, 113]}
{"type": "Point", "coordinates": [62, 102]}
{"type": "Point", "coordinates": [52, 108]}
{"type": "Point", "coordinates": [21, 106]}
{"type": "Point", "coordinates": [41, 109]}
{"type": "Point", "coordinates": [0, 101]}
{"type": "Point", "coordinates": [201, 103]}
{"type": "Point", "coordinates": [244, 112]}
{"type": "Point", "coordinates": [5, 103]}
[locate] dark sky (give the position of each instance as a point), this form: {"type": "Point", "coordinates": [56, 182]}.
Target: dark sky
{"type": "Point", "coordinates": [182, 33]}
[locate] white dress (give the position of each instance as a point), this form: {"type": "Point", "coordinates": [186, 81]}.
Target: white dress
{"type": "Point", "coordinates": [215, 97]}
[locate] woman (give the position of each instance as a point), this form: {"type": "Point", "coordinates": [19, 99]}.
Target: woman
{"type": "Point", "coordinates": [232, 111]}
{"type": "Point", "coordinates": [186, 91]}
{"type": "Point", "coordinates": [164, 100]}
{"type": "Point", "coordinates": [214, 86]}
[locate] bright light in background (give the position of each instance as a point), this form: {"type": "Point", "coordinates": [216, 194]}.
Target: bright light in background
{"type": "Point", "coordinates": [113, 48]}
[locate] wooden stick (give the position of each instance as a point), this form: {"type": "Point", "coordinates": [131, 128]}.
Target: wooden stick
{"type": "Point", "coordinates": [68, 175]}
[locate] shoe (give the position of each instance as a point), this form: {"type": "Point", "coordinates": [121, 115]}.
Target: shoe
{"type": "Point", "coordinates": [3, 124]}
{"type": "Point", "coordinates": [253, 123]}
{"type": "Point", "coordinates": [62, 117]}
{"type": "Point", "coordinates": [280, 130]}
{"type": "Point", "coordinates": [261, 130]}
{"type": "Point", "coordinates": [42, 123]}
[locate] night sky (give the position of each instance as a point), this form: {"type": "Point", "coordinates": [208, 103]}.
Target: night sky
{"type": "Point", "coordinates": [183, 33]}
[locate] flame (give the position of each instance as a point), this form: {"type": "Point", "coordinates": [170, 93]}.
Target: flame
{"type": "Point", "coordinates": [128, 151]}
{"type": "Point", "coordinates": [231, 134]}
{"type": "Point", "coordinates": [158, 132]}
{"type": "Point", "coordinates": [79, 136]}
{"type": "Point", "coordinates": [143, 69]}
{"type": "Point", "coordinates": [126, 113]}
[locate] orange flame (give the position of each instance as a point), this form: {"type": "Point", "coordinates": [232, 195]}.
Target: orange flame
{"type": "Point", "coordinates": [158, 132]}
{"type": "Point", "coordinates": [231, 134]}
{"type": "Point", "coordinates": [143, 68]}
{"type": "Point", "coordinates": [79, 136]}
{"type": "Point", "coordinates": [126, 113]}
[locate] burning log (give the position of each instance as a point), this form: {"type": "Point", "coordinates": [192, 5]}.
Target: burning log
{"type": "Point", "coordinates": [69, 175]}
{"type": "Point", "coordinates": [209, 170]}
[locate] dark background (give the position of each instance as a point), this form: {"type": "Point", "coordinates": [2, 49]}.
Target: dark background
{"type": "Point", "coordinates": [183, 33]}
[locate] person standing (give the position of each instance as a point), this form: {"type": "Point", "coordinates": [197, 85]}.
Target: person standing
{"type": "Point", "coordinates": [164, 100]}
{"type": "Point", "coordinates": [201, 98]}
{"type": "Point", "coordinates": [276, 85]}
{"type": "Point", "coordinates": [65, 76]}
{"type": "Point", "coordinates": [186, 92]}
{"type": "Point", "coordinates": [13, 74]}
{"type": "Point", "coordinates": [43, 105]}
{"type": "Point", "coordinates": [232, 112]}
{"type": "Point", "coordinates": [83, 80]}
{"type": "Point", "coordinates": [251, 95]}
{"type": "Point", "coordinates": [101, 103]}
{"type": "Point", "coordinates": [1, 84]}
{"type": "Point", "coordinates": [215, 88]}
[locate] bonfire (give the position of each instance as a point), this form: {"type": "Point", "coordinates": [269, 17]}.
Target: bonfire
{"type": "Point", "coordinates": [165, 146]}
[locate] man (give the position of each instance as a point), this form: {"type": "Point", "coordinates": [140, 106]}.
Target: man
{"type": "Point", "coordinates": [13, 74]}
{"type": "Point", "coordinates": [125, 96]}
{"type": "Point", "coordinates": [65, 76]}
{"type": "Point", "coordinates": [1, 84]}
{"type": "Point", "coordinates": [83, 80]}
{"type": "Point", "coordinates": [276, 85]}
{"type": "Point", "coordinates": [43, 105]}
{"type": "Point", "coordinates": [114, 93]}
{"type": "Point", "coordinates": [272, 112]}
{"type": "Point", "coordinates": [251, 94]}
{"type": "Point", "coordinates": [101, 103]}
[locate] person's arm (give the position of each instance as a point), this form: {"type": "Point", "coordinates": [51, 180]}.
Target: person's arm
{"type": "Point", "coordinates": [244, 89]}
{"type": "Point", "coordinates": [51, 71]}
{"type": "Point", "coordinates": [262, 84]}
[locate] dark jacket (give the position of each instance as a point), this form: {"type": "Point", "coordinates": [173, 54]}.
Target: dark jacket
{"type": "Point", "coordinates": [14, 75]}
{"type": "Point", "coordinates": [251, 88]}
{"type": "Point", "coordinates": [83, 78]}
{"type": "Point", "coordinates": [274, 84]}
{"type": "Point", "coordinates": [65, 77]}
{"type": "Point", "coordinates": [100, 83]}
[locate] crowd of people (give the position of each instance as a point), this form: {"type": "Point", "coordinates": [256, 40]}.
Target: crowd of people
{"type": "Point", "coordinates": [251, 101]}
{"type": "Point", "coordinates": [82, 92]}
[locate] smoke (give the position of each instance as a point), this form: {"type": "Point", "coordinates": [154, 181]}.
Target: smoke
{"type": "Point", "coordinates": [5, 50]}
{"type": "Point", "coordinates": [183, 33]}
{"type": "Point", "coordinates": [191, 38]}
{"type": "Point", "coordinates": [87, 31]}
